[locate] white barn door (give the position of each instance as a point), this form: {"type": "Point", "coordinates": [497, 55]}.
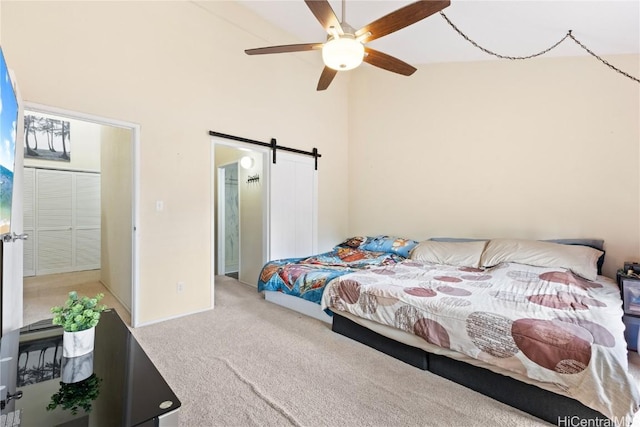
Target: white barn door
{"type": "Point", "coordinates": [293, 203]}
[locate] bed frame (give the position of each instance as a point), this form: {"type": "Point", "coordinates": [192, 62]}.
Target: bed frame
{"type": "Point", "coordinates": [531, 399]}
{"type": "Point", "coordinates": [544, 404]}
{"type": "Point", "coordinates": [298, 304]}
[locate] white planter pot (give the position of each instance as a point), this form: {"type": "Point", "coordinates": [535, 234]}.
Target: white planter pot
{"type": "Point", "coordinates": [76, 344]}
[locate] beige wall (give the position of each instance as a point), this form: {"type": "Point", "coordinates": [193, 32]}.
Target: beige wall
{"type": "Point", "coordinates": [116, 187]}
{"type": "Point", "coordinates": [178, 69]}
{"type": "Point", "coordinates": [543, 148]}
{"type": "Point", "coordinates": [84, 147]}
{"type": "Point", "coordinates": [540, 148]}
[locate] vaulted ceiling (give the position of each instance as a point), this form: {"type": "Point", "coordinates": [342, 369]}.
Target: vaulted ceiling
{"type": "Point", "coordinates": [507, 27]}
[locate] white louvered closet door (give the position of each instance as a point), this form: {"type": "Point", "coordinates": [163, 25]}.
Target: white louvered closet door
{"type": "Point", "coordinates": [29, 225]}
{"type": "Point", "coordinates": [65, 218]}
{"type": "Point", "coordinates": [87, 221]}
{"type": "Point", "coordinates": [54, 222]}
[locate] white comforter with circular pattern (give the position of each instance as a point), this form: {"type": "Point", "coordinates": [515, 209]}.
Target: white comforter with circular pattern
{"type": "Point", "coordinates": [545, 324]}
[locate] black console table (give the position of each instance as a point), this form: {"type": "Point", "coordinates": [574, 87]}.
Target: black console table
{"type": "Point", "coordinates": [123, 388]}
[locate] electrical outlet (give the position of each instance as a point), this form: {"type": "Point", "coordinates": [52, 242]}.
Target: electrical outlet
{"type": "Point", "coordinates": [180, 287]}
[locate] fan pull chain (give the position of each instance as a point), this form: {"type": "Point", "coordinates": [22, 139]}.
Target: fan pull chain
{"type": "Point", "coordinates": [601, 59]}
{"type": "Point", "coordinates": [568, 35]}
{"type": "Point", "coordinates": [497, 54]}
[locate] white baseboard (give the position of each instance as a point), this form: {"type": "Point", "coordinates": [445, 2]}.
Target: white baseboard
{"type": "Point", "coordinates": [151, 322]}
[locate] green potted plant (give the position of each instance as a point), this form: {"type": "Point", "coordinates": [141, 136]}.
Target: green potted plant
{"type": "Point", "coordinates": [78, 318]}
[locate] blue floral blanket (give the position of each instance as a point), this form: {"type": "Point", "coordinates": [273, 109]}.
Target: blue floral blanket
{"type": "Point", "coordinates": [307, 277]}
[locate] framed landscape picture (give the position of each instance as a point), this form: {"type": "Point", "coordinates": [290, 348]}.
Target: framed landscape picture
{"type": "Point", "coordinates": [46, 138]}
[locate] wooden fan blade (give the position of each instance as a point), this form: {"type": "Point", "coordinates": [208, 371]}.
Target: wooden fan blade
{"type": "Point", "coordinates": [400, 18]}
{"type": "Point", "coordinates": [323, 12]}
{"type": "Point", "coordinates": [387, 62]}
{"type": "Point", "coordinates": [284, 48]}
{"type": "Point", "coordinates": [326, 78]}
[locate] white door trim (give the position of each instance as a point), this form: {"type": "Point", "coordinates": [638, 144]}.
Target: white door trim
{"type": "Point", "coordinates": [135, 139]}
{"type": "Point", "coordinates": [221, 220]}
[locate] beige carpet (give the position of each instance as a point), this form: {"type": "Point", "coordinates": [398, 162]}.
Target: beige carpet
{"type": "Point", "coordinates": [249, 362]}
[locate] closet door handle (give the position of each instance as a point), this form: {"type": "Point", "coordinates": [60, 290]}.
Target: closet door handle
{"type": "Point", "coordinates": [8, 238]}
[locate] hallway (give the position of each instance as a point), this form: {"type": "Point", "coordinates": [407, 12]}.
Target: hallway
{"type": "Point", "coordinates": [43, 292]}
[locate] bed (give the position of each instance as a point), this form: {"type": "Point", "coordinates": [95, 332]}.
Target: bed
{"type": "Point", "coordinates": [532, 324]}
{"type": "Point", "coordinates": [298, 283]}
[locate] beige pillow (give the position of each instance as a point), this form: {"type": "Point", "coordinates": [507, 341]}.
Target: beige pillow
{"type": "Point", "coordinates": [462, 254]}
{"type": "Point", "coordinates": [581, 260]}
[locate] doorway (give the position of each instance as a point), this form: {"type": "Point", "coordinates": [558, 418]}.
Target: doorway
{"type": "Point", "coordinates": [117, 198]}
{"type": "Point", "coordinates": [228, 221]}
{"type": "Point", "coordinates": [248, 215]}
{"type": "Point", "coordinates": [278, 205]}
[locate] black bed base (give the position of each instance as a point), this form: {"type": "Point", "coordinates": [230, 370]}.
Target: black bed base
{"type": "Point", "coordinates": [551, 407]}
{"type": "Point", "coordinates": [408, 354]}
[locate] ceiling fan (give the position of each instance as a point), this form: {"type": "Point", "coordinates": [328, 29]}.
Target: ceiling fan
{"type": "Point", "coordinates": [345, 47]}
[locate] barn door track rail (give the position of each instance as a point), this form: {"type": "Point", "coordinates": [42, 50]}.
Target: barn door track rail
{"type": "Point", "coordinates": [273, 145]}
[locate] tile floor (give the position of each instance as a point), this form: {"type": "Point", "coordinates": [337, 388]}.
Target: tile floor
{"type": "Point", "coordinates": [43, 292]}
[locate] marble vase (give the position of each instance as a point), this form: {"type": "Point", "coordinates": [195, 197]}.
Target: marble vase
{"type": "Point", "coordinates": [76, 344]}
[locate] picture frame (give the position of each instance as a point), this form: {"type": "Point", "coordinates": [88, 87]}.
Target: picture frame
{"type": "Point", "coordinates": [46, 138]}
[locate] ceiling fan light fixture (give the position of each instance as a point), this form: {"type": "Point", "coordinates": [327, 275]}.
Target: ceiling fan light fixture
{"type": "Point", "coordinates": [345, 46]}
{"type": "Point", "coordinates": [343, 53]}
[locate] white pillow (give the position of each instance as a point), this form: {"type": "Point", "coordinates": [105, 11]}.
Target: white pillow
{"type": "Point", "coordinates": [461, 254]}
{"type": "Point", "coordinates": [581, 260]}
